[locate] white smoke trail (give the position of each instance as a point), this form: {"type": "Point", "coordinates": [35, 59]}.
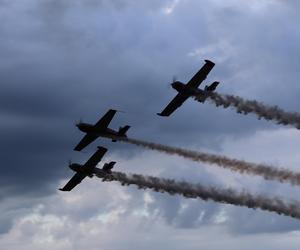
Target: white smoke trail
{"type": "Point", "coordinates": [273, 113]}
{"type": "Point", "coordinates": [266, 171]}
{"type": "Point", "coordinates": [228, 196]}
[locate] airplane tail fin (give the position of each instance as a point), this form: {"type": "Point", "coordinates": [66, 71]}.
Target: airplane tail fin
{"type": "Point", "coordinates": [108, 166]}
{"type": "Point", "coordinates": [212, 87]}
{"type": "Point", "coordinates": [123, 130]}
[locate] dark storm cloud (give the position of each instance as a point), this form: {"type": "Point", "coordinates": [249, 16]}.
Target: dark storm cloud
{"type": "Point", "coordinates": [63, 61]}
{"type": "Point", "coordinates": [54, 73]}
{"type": "Point", "coordinates": [52, 79]}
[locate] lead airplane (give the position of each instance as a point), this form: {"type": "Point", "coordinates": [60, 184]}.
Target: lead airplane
{"type": "Point", "coordinates": [99, 129]}
{"type": "Point", "coordinates": [89, 169]}
{"type": "Point", "coordinates": [191, 89]}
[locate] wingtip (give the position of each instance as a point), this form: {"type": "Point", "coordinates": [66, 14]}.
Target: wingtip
{"type": "Point", "coordinates": [209, 61]}
{"type": "Point", "coordinates": [77, 148]}
{"type": "Point", "coordinates": [102, 148]}
{"type": "Point", "coordinates": [117, 110]}
{"type": "Point", "coordinates": [160, 114]}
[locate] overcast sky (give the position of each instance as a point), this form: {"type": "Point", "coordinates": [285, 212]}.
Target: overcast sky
{"type": "Point", "coordinates": [62, 61]}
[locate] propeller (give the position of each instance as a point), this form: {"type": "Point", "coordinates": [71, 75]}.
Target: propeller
{"type": "Point", "coordinates": [78, 122]}
{"type": "Point", "coordinates": [174, 79]}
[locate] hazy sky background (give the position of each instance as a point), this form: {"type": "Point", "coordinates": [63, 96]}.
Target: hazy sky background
{"type": "Point", "coordinates": [62, 61]}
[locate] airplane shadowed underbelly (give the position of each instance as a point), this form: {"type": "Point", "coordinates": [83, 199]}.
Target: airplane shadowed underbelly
{"type": "Point", "coordinates": [99, 172]}
{"type": "Point", "coordinates": [101, 132]}
{"type": "Point", "coordinates": [201, 95]}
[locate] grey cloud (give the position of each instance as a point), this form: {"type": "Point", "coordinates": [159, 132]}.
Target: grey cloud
{"type": "Point", "coordinates": [260, 222]}
{"type": "Point", "coordinates": [63, 62]}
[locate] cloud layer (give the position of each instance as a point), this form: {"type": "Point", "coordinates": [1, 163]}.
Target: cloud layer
{"type": "Point", "coordinates": [64, 61]}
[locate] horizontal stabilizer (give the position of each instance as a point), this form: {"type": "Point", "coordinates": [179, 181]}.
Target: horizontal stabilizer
{"type": "Point", "coordinates": [212, 87]}
{"type": "Point", "coordinates": [123, 130]}
{"type": "Point", "coordinates": [108, 166]}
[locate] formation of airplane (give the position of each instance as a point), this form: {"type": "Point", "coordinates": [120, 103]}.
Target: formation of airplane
{"type": "Point", "coordinates": [88, 169]}
{"type": "Point", "coordinates": [191, 89]}
{"type": "Point", "coordinates": [101, 129]}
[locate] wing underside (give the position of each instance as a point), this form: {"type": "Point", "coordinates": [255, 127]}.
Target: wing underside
{"type": "Point", "coordinates": [106, 119]}
{"type": "Point", "coordinates": [200, 76]}
{"type": "Point", "coordinates": [73, 182]}
{"type": "Point", "coordinates": [95, 159]}
{"type": "Point", "coordinates": [86, 140]}
{"type": "Point", "coordinates": [176, 102]}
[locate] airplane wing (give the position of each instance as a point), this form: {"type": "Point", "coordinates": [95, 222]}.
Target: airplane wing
{"type": "Point", "coordinates": [95, 159]}
{"type": "Point", "coordinates": [75, 180]}
{"type": "Point", "coordinates": [177, 101]}
{"type": "Point", "coordinates": [200, 76]}
{"type": "Point", "coordinates": [86, 140]}
{"type": "Point", "coordinates": [106, 119]}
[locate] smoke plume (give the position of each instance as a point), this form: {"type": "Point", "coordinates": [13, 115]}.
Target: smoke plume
{"type": "Point", "coordinates": [189, 190]}
{"type": "Point", "coordinates": [273, 113]}
{"type": "Point", "coordinates": [266, 171]}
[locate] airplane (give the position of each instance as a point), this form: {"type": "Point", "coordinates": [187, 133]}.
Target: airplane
{"type": "Point", "coordinates": [191, 89]}
{"type": "Point", "coordinates": [99, 129]}
{"type": "Point", "coordinates": [88, 169]}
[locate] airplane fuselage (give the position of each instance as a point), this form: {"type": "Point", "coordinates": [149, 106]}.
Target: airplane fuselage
{"type": "Point", "coordinates": [188, 91]}
{"type": "Point", "coordinates": [101, 173]}
{"type": "Point", "coordinates": [100, 129]}
{"type": "Point", "coordinates": [89, 128]}
{"type": "Point", "coordinates": [78, 168]}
